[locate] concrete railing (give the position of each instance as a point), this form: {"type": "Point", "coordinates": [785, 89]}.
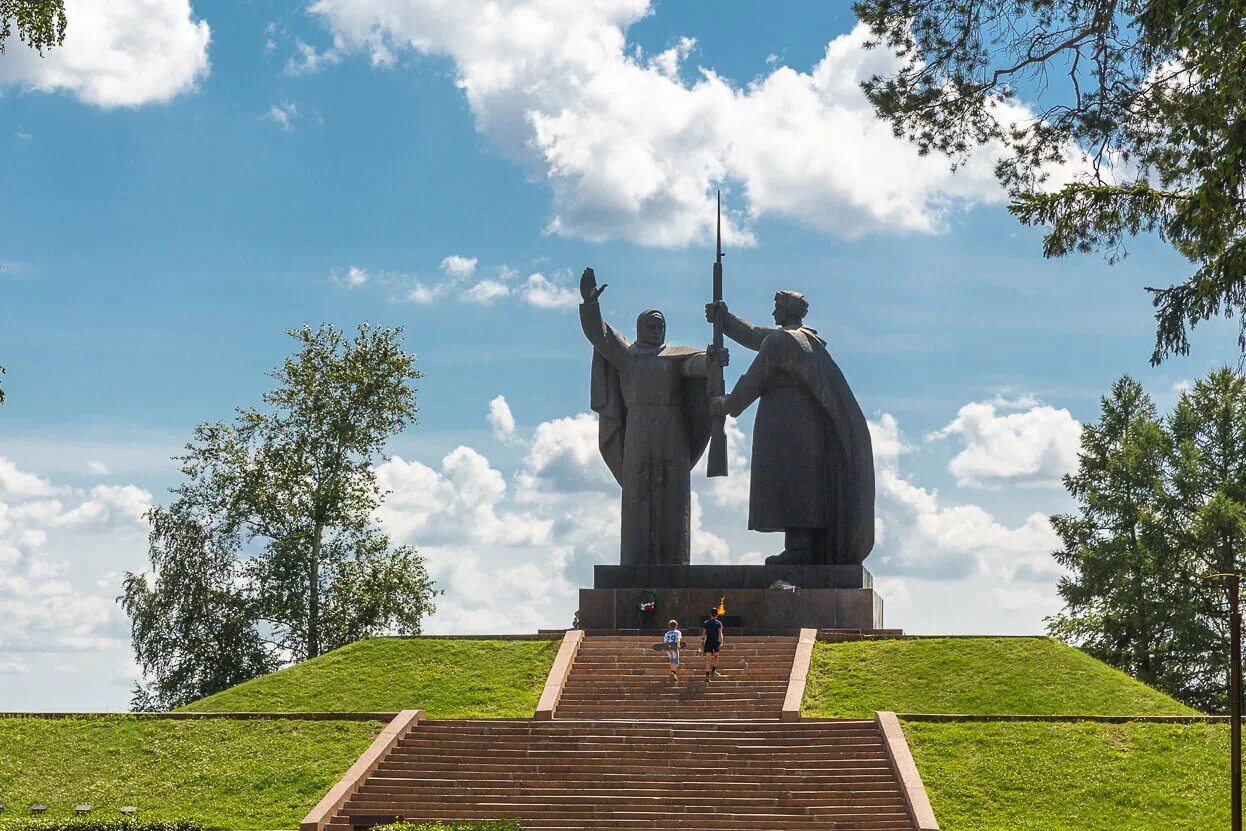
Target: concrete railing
{"type": "Point", "coordinates": [557, 678]}
{"type": "Point", "coordinates": [799, 675]}
{"type": "Point", "coordinates": [319, 817]}
{"type": "Point", "coordinates": [906, 771]}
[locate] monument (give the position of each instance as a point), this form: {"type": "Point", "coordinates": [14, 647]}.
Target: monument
{"type": "Point", "coordinates": [812, 472]}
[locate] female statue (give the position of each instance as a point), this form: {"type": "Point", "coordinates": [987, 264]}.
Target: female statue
{"type": "Point", "coordinates": [654, 424]}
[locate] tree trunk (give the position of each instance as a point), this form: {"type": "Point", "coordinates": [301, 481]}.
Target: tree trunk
{"type": "Point", "coordinates": [313, 596]}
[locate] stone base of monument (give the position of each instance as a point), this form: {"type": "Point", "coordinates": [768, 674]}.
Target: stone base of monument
{"type": "Point", "coordinates": [826, 597]}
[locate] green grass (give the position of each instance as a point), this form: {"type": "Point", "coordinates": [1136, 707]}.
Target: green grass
{"type": "Point", "coordinates": [445, 678]}
{"type": "Point", "coordinates": [224, 773]}
{"type": "Point", "coordinates": [1074, 776]}
{"type": "Point", "coordinates": [995, 676]}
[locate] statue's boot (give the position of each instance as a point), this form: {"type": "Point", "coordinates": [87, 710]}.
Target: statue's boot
{"type": "Point", "coordinates": [798, 544]}
{"type": "Point", "coordinates": [790, 557]}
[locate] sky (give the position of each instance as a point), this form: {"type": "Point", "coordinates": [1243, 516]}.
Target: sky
{"type": "Point", "coordinates": [186, 181]}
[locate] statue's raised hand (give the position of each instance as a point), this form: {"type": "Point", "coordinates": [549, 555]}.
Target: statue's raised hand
{"type": "Point", "coordinates": [589, 290]}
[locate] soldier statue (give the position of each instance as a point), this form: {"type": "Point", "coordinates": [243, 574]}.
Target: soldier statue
{"type": "Point", "coordinates": [812, 463]}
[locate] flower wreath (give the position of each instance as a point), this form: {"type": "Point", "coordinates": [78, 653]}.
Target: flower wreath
{"type": "Point", "coordinates": [647, 601]}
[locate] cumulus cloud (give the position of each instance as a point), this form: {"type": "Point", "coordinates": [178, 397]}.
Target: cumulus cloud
{"type": "Point", "coordinates": [928, 537]}
{"type": "Point", "coordinates": [97, 468]}
{"type": "Point", "coordinates": [543, 293]}
{"type": "Point", "coordinates": [16, 482]}
{"type": "Point", "coordinates": [459, 266]}
{"type": "Point", "coordinates": [110, 505]}
{"type": "Point", "coordinates": [633, 146]}
{"type": "Point", "coordinates": [118, 54]}
{"type": "Point", "coordinates": [486, 292]}
{"type": "Point", "coordinates": [1033, 444]}
{"type": "Point", "coordinates": [43, 607]}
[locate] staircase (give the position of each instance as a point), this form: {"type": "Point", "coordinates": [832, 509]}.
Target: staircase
{"type": "Point", "coordinates": [623, 677]}
{"type": "Point", "coordinates": [721, 775]}
{"type": "Point", "coordinates": [628, 748]}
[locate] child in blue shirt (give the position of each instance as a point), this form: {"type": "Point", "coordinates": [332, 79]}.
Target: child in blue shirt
{"type": "Point", "coordinates": [673, 639]}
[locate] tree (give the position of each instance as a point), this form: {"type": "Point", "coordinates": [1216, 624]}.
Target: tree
{"type": "Point", "coordinates": [1161, 509]}
{"type": "Point", "coordinates": [1147, 98]}
{"type": "Point", "coordinates": [40, 23]}
{"type": "Point", "coordinates": [1209, 482]}
{"type": "Point", "coordinates": [270, 547]}
{"type": "Point", "coordinates": [1132, 598]}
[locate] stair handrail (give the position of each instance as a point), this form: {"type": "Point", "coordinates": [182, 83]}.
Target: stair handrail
{"type": "Point", "coordinates": [556, 681]}
{"type": "Point", "coordinates": [799, 675]}
{"type": "Point", "coordinates": [320, 816]}
{"type": "Point", "coordinates": [906, 771]}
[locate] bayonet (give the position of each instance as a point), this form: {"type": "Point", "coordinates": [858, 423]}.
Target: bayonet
{"type": "Point", "coordinates": [716, 464]}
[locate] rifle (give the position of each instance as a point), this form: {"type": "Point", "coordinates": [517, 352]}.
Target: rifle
{"type": "Point", "coordinates": [716, 464]}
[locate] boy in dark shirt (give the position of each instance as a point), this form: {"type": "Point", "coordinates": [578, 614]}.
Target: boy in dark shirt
{"type": "Point", "coordinates": [711, 643]}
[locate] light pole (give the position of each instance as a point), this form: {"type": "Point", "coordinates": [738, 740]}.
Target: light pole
{"type": "Point", "coordinates": [1235, 694]}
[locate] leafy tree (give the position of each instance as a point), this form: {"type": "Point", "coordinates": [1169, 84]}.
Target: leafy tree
{"type": "Point", "coordinates": [1147, 98]}
{"type": "Point", "coordinates": [270, 552]}
{"type": "Point", "coordinates": [40, 23]}
{"type": "Point", "coordinates": [1131, 597]}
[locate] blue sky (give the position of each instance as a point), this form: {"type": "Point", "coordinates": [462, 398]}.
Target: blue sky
{"type": "Point", "coordinates": [185, 184]}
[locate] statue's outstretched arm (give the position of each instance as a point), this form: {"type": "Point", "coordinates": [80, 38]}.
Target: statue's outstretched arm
{"type": "Point", "coordinates": [737, 328]}
{"type": "Point", "coordinates": [604, 337]}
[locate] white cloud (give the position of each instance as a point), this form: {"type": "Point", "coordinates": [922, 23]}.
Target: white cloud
{"type": "Point", "coordinates": [541, 292]}
{"type": "Point", "coordinates": [47, 604]}
{"type": "Point", "coordinates": [356, 276]}
{"type": "Point", "coordinates": [422, 294]}
{"type": "Point", "coordinates": [97, 468]}
{"type": "Point", "coordinates": [110, 504]}
{"type": "Point", "coordinates": [1037, 444]}
{"type": "Point", "coordinates": [19, 483]}
{"type": "Point", "coordinates": [564, 454]}
{"type": "Point", "coordinates": [1015, 599]}
{"type": "Point", "coordinates": [929, 538]}
{"type": "Point", "coordinates": [501, 420]}
{"type": "Point", "coordinates": [632, 150]}
{"type": "Point", "coordinates": [14, 667]}
{"type": "Point", "coordinates": [118, 54]}
{"type": "Point", "coordinates": [486, 292]}
{"type": "Point", "coordinates": [459, 267]}
{"type": "Point", "coordinates": [306, 58]}
{"type": "Point", "coordinates": [283, 115]}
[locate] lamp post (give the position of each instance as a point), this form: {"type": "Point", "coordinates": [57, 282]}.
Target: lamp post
{"type": "Point", "coordinates": [1235, 694]}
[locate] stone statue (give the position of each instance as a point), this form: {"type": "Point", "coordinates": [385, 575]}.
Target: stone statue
{"type": "Point", "coordinates": [813, 463]}
{"type": "Point", "coordinates": [654, 424]}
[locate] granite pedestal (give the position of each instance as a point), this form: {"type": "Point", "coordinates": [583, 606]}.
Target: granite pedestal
{"type": "Point", "coordinates": [827, 597]}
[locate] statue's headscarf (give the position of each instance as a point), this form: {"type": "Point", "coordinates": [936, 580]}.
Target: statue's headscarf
{"type": "Point", "coordinates": [645, 315]}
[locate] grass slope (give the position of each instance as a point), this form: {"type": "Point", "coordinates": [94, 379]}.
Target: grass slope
{"type": "Point", "coordinates": [223, 773]}
{"type": "Point", "coordinates": [994, 676]}
{"type": "Point", "coordinates": [1074, 776]}
{"type": "Point", "coordinates": [445, 678]}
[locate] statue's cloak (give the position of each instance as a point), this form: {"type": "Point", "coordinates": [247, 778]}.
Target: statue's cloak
{"type": "Point", "coordinates": [850, 497]}
{"type": "Point", "coordinates": [606, 399]}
